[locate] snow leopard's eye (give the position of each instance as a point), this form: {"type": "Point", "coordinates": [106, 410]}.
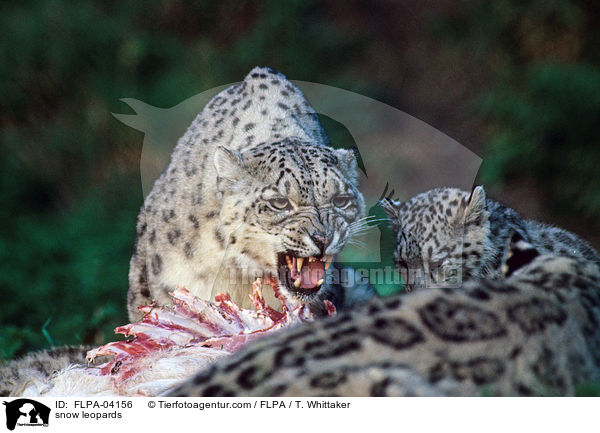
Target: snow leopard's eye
{"type": "Point", "coordinates": [280, 203]}
{"type": "Point", "coordinates": [342, 201]}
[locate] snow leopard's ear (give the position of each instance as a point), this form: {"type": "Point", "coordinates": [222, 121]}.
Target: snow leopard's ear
{"type": "Point", "coordinates": [476, 206]}
{"type": "Point", "coordinates": [229, 164]}
{"type": "Point", "coordinates": [518, 253]}
{"type": "Point", "coordinates": [347, 163]}
{"type": "Point", "coordinates": [391, 209]}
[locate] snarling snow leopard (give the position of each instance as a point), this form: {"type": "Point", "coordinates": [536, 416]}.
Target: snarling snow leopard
{"type": "Point", "coordinates": [253, 189]}
{"type": "Point", "coordinates": [535, 333]}
{"type": "Point", "coordinates": [447, 235]}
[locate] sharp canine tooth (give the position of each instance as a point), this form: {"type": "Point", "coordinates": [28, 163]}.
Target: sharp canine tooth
{"type": "Point", "coordinates": [297, 282]}
{"type": "Point", "coordinates": [299, 262]}
{"type": "Point", "coordinates": [328, 260]}
{"type": "Point", "coordinates": [320, 282]}
{"type": "Point", "coordinates": [288, 261]}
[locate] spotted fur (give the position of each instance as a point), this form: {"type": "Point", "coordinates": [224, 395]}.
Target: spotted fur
{"type": "Point", "coordinates": [253, 177]}
{"type": "Point", "coordinates": [19, 374]}
{"type": "Point", "coordinates": [446, 235]}
{"type": "Point", "coordinates": [535, 333]}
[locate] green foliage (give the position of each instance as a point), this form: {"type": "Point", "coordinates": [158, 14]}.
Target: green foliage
{"type": "Point", "coordinates": [591, 389]}
{"type": "Point", "coordinates": [64, 277]}
{"type": "Point", "coordinates": [543, 108]}
{"type": "Point", "coordinates": [549, 130]}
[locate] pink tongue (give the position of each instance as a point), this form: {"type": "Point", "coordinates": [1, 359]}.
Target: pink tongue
{"type": "Point", "coordinates": [311, 273]}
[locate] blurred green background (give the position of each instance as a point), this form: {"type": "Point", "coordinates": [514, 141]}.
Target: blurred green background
{"type": "Point", "coordinates": [518, 82]}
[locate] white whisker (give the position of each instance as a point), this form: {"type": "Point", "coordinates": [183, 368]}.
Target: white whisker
{"type": "Point", "coordinates": [359, 230]}
{"type": "Point", "coordinates": [357, 245]}
{"type": "Point", "coordinates": [356, 242]}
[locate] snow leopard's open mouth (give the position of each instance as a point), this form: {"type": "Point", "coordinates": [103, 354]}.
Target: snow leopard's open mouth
{"type": "Point", "coordinates": [304, 275]}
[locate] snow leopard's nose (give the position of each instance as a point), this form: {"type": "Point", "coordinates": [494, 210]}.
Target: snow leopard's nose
{"type": "Point", "coordinates": [321, 240]}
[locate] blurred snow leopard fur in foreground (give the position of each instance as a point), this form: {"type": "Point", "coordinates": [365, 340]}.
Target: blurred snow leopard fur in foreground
{"type": "Point", "coordinates": [253, 189]}
{"type": "Point", "coordinates": [17, 374]}
{"type": "Point", "coordinates": [447, 235]}
{"type": "Point", "coordinates": [534, 333]}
